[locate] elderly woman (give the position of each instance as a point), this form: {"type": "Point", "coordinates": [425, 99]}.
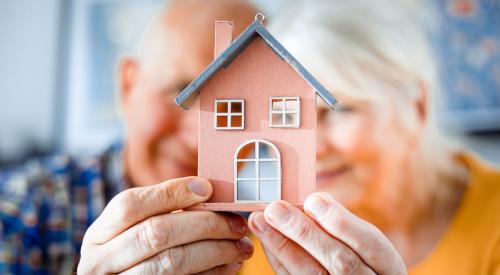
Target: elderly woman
{"type": "Point", "coordinates": [397, 194]}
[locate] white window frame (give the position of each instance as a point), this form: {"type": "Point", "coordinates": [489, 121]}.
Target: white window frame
{"type": "Point", "coordinates": [256, 177]}
{"type": "Point", "coordinates": [229, 114]}
{"type": "Point", "coordinates": [283, 112]}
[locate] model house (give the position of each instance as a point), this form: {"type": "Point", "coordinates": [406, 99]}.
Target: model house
{"type": "Point", "coordinates": [257, 119]}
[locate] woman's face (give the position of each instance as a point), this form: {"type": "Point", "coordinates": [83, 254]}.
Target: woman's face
{"type": "Point", "coordinates": [361, 151]}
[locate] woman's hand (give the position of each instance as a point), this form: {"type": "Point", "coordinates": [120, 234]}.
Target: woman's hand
{"type": "Point", "coordinates": [137, 233]}
{"type": "Point", "coordinates": [327, 238]}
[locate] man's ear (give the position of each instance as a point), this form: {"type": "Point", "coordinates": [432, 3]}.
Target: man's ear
{"type": "Point", "coordinates": [127, 78]}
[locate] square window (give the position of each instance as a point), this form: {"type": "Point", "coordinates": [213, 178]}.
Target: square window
{"type": "Point", "coordinates": [284, 112]}
{"type": "Point", "coordinates": [247, 190]}
{"type": "Point", "coordinates": [268, 169]}
{"type": "Point", "coordinates": [278, 104]}
{"type": "Point", "coordinates": [237, 121]}
{"type": "Point", "coordinates": [292, 120]}
{"type": "Point", "coordinates": [222, 107]}
{"type": "Point", "coordinates": [222, 121]}
{"type": "Point", "coordinates": [277, 119]}
{"type": "Point", "coordinates": [269, 190]}
{"type": "Point", "coordinates": [292, 105]}
{"type": "Point", "coordinates": [229, 114]}
{"type": "Point", "coordinates": [247, 169]}
{"type": "Point", "coordinates": [236, 107]}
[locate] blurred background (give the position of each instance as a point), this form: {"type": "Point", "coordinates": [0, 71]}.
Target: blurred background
{"type": "Point", "coordinates": [58, 60]}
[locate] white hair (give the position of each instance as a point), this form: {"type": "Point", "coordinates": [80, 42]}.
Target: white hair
{"type": "Point", "coordinates": [373, 51]}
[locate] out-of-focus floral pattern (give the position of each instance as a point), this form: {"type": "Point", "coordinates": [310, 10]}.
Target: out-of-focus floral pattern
{"type": "Point", "coordinates": [468, 45]}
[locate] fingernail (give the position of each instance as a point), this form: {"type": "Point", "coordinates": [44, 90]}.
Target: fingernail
{"type": "Point", "coordinates": [245, 245]}
{"type": "Point", "coordinates": [260, 222]}
{"type": "Point", "coordinates": [278, 213]}
{"type": "Point", "coordinates": [317, 206]}
{"type": "Point", "coordinates": [237, 224]}
{"type": "Point", "coordinates": [199, 187]}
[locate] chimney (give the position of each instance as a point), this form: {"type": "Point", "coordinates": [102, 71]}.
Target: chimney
{"type": "Point", "coordinates": [223, 36]}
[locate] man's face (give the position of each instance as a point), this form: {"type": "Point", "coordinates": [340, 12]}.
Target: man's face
{"type": "Point", "coordinates": [161, 137]}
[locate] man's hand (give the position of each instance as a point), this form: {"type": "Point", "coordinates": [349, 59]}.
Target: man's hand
{"type": "Point", "coordinates": [138, 233]}
{"type": "Point", "coordinates": [327, 238]}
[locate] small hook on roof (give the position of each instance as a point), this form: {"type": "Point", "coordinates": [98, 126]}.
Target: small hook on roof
{"type": "Point", "coordinates": [260, 17]}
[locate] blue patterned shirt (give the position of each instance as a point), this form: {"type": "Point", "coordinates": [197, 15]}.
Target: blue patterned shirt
{"type": "Point", "coordinates": [47, 205]}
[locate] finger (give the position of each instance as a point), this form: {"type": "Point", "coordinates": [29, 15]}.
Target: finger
{"type": "Point", "coordinates": [161, 232]}
{"type": "Point", "coordinates": [228, 269]}
{"type": "Point", "coordinates": [286, 256]}
{"type": "Point", "coordinates": [136, 204]}
{"type": "Point", "coordinates": [277, 266]}
{"type": "Point", "coordinates": [195, 257]}
{"type": "Point", "coordinates": [332, 254]}
{"type": "Point", "coordinates": [364, 238]}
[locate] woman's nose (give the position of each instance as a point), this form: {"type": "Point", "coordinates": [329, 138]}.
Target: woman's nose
{"type": "Point", "coordinates": [322, 141]}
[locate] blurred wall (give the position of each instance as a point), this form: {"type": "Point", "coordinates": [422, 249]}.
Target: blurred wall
{"type": "Point", "coordinates": [39, 110]}
{"type": "Point", "coordinates": [29, 32]}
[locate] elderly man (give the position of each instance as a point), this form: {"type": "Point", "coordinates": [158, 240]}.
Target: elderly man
{"type": "Point", "coordinates": [46, 207]}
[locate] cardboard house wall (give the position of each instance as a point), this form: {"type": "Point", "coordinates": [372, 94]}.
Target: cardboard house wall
{"type": "Point", "coordinates": [256, 75]}
{"type": "Point", "coordinates": [254, 69]}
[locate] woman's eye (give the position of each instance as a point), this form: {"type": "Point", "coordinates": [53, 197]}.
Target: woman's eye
{"type": "Point", "coordinates": [339, 111]}
{"type": "Point", "coordinates": [343, 108]}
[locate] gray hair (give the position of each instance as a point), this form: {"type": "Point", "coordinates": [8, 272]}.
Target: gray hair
{"type": "Point", "coordinates": [372, 51]}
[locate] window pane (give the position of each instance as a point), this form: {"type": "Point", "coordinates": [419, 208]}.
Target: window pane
{"type": "Point", "coordinates": [266, 151]}
{"type": "Point", "coordinates": [278, 104]}
{"type": "Point", "coordinates": [292, 119]}
{"type": "Point", "coordinates": [292, 105]}
{"type": "Point", "coordinates": [246, 190]}
{"type": "Point", "coordinates": [222, 121]}
{"type": "Point", "coordinates": [247, 151]}
{"type": "Point", "coordinates": [236, 121]}
{"type": "Point", "coordinates": [246, 169]}
{"type": "Point", "coordinates": [268, 169]}
{"type": "Point", "coordinates": [269, 190]}
{"type": "Point", "coordinates": [222, 107]}
{"type": "Point", "coordinates": [277, 119]}
{"type": "Point", "coordinates": [236, 107]}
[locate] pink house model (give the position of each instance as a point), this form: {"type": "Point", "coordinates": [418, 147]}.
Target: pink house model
{"type": "Point", "coordinates": [257, 121]}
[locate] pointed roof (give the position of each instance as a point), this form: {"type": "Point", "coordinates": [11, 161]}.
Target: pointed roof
{"type": "Point", "coordinates": [190, 93]}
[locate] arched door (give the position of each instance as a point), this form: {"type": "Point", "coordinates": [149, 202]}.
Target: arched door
{"type": "Point", "coordinates": [257, 172]}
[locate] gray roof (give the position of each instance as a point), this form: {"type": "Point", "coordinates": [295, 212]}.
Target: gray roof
{"type": "Point", "coordinates": [189, 94]}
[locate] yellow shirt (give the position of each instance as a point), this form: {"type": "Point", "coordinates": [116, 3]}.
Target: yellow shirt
{"type": "Point", "coordinates": [470, 246]}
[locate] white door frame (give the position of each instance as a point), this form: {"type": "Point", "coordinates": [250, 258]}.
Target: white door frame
{"type": "Point", "coordinates": [257, 160]}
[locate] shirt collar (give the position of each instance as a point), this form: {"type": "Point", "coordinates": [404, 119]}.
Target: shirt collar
{"type": "Point", "coordinates": [114, 172]}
